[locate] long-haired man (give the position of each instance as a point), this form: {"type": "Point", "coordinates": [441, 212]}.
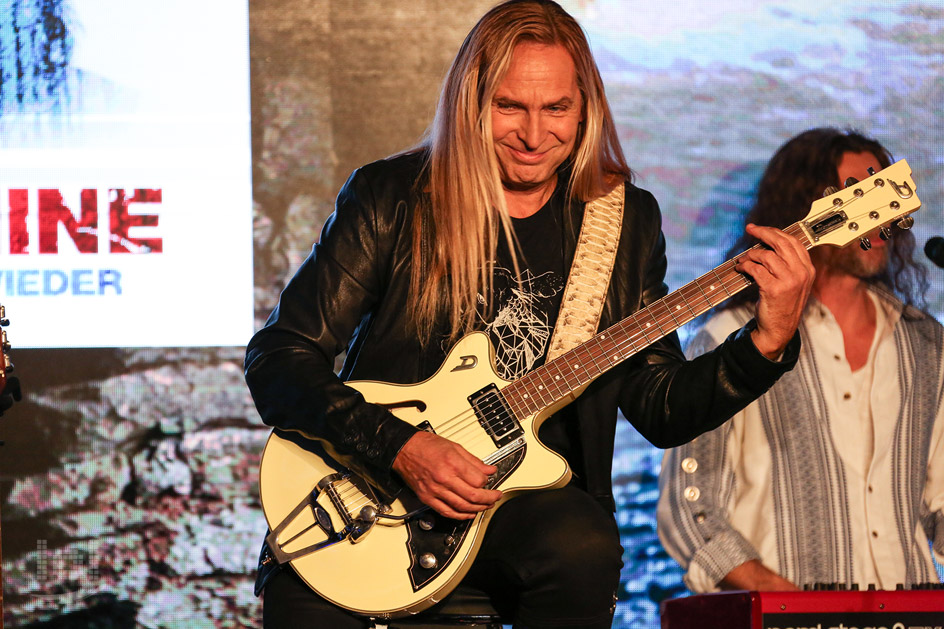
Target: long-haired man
{"type": "Point", "coordinates": [836, 475]}
{"type": "Point", "coordinates": [476, 229]}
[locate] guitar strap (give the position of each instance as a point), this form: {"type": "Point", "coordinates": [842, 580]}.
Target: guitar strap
{"type": "Point", "coordinates": [582, 303]}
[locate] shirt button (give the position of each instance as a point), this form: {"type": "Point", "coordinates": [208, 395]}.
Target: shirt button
{"type": "Point", "coordinates": [870, 489]}
{"type": "Point", "coordinates": [361, 447]}
{"type": "Point", "coordinates": [874, 533]}
{"type": "Point", "coordinates": [692, 493]}
{"type": "Point", "coordinates": [700, 517]}
{"type": "Point", "coordinates": [690, 465]}
{"type": "Point", "coordinates": [837, 357]}
{"type": "Point", "coordinates": [846, 395]}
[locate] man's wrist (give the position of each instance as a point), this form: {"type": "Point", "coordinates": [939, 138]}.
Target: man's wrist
{"type": "Point", "coordinates": [768, 351]}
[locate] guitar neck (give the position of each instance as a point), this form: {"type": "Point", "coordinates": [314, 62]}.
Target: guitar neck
{"type": "Point", "coordinates": [839, 218]}
{"type": "Point", "coordinates": [580, 366]}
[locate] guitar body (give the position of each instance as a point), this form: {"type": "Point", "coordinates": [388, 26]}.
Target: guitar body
{"type": "Point", "coordinates": [381, 574]}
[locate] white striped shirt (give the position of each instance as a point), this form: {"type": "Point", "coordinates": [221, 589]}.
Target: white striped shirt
{"type": "Point", "coordinates": [833, 476]}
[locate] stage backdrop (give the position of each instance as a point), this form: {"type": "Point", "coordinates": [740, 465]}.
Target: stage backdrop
{"type": "Point", "coordinates": [128, 477]}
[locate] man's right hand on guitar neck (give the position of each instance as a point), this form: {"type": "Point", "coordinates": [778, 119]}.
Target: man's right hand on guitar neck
{"type": "Point", "coordinates": [445, 476]}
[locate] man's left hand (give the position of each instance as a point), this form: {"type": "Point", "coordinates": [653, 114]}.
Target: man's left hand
{"type": "Point", "coordinates": [784, 276]}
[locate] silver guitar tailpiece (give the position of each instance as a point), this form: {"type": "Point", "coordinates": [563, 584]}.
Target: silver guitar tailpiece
{"type": "Point", "coordinates": [322, 520]}
{"type": "Point", "coordinates": [355, 526]}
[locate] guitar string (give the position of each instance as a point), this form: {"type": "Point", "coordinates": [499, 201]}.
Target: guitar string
{"type": "Point", "coordinates": [638, 337]}
{"type": "Point", "coordinates": [685, 294]}
{"type": "Point", "coordinates": [463, 418]}
{"type": "Point", "coordinates": [636, 334]}
{"type": "Point", "coordinates": [630, 339]}
{"type": "Point", "coordinates": [344, 495]}
{"type": "Point", "coordinates": [449, 429]}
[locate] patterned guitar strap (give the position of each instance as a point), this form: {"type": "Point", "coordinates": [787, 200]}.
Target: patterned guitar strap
{"type": "Point", "coordinates": [582, 303]}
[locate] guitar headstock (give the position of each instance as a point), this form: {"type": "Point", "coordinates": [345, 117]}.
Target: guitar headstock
{"type": "Point", "coordinates": [849, 214]}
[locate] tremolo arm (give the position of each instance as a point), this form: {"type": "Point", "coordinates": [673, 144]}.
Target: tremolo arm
{"type": "Point", "coordinates": [347, 495]}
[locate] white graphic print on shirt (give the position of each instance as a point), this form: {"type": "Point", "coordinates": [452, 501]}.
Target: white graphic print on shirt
{"type": "Point", "coordinates": [522, 325]}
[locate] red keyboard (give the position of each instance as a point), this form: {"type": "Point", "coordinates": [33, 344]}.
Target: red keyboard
{"type": "Point", "coordinates": [877, 609]}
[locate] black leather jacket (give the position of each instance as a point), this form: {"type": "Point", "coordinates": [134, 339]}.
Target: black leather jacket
{"type": "Point", "coordinates": [351, 294]}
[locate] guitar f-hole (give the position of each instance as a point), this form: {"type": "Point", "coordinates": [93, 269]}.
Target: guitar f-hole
{"type": "Point", "coordinates": [419, 405]}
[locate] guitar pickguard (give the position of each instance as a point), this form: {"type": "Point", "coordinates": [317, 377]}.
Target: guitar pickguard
{"type": "Point", "coordinates": [432, 540]}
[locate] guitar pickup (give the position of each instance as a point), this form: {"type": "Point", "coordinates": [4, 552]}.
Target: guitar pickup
{"type": "Point", "coordinates": [495, 416]}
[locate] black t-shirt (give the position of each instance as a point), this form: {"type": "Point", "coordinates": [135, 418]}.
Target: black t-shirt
{"type": "Point", "coordinates": [523, 314]}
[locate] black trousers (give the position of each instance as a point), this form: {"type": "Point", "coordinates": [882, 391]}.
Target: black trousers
{"type": "Point", "coordinates": [549, 559]}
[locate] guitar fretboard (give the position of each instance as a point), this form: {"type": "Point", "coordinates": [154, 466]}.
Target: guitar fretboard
{"type": "Point", "coordinates": [581, 365]}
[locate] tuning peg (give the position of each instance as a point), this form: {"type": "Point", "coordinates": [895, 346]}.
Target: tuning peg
{"type": "Point", "coordinates": [850, 181]}
{"type": "Point", "coordinates": [4, 343]}
{"type": "Point", "coordinates": [865, 243]}
{"type": "Point", "coordinates": [905, 223]}
{"type": "Point", "coordinates": [830, 190]}
{"type": "Point", "coordinates": [884, 233]}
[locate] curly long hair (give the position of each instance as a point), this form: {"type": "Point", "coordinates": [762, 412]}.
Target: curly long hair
{"type": "Point", "coordinates": [797, 175]}
{"type": "Point", "coordinates": [455, 230]}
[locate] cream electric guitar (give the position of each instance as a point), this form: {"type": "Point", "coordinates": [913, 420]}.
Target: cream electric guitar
{"type": "Point", "coordinates": [391, 560]}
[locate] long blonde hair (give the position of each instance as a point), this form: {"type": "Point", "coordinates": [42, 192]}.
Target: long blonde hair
{"type": "Point", "coordinates": [456, 224]}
